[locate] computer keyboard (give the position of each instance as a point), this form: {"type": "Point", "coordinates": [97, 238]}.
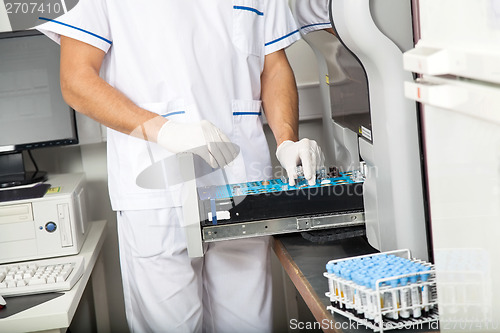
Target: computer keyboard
{"type": "Point", "coordinates": [40, 276]}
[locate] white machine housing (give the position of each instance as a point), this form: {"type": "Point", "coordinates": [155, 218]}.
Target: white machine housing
{"type": "Point", "coordinates": [26, 225]}
{"type": "Point", "coordinates": [377, 32]}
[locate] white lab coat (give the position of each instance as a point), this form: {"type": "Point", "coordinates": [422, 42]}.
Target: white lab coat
{"type": "Point", "coordinates": [186, 60]}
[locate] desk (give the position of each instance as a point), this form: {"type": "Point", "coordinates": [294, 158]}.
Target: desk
{"type": "Point", "coordinates": [56, 315]}
{"type": "Point", "coordinates": [305, 262]}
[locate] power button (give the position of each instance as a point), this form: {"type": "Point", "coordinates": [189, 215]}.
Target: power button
{"type": "Point", "coordinates": [51, 226]}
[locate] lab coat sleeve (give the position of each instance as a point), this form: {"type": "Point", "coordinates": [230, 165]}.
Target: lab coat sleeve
{"type": "Point", "coordinates": [87, 22]}
{"type": "Point", "coordinates": [280, 27]}
{"type": "Point", "coordinates": [312, 15]}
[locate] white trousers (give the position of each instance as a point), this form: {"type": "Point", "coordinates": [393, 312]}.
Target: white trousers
{"type": "Point", "coordinates": [228, 290]}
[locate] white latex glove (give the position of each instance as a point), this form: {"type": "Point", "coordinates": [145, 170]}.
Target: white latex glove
{"type": "Point", "coordinates": [306, 152]}
{"type": "Point", "coordinates": [202, 138]}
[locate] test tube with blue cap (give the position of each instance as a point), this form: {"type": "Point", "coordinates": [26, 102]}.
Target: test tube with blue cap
{"type": "Point", "coordinates": [336, 290]}
{"type": "Point", "coordinates": [368, 299]}
{"type": "Point", "coordinates": [415, 296]}
{"type": "Point", "coordinates": [386, 295]}
{"type": "Point", "coordinates": [357, 298]}
{"type": "Point", "coordinates": [337, 285]}
{"type": "Point", "coordinates": [395, 299]}
{"type": "Point", "coordinates": [348, 291]}
{"type": "Point", "coordinates": [405, 298]}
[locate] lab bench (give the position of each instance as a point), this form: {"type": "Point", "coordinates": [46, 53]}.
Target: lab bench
{"type": "Point", "coordinates": [304, 262]}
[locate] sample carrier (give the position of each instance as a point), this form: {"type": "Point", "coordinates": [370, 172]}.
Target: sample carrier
{"type": "Point", "coordinates": [268, 207]}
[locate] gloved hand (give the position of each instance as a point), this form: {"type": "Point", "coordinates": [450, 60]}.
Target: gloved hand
{"type": "Point", "coordinates": [306, 152]}
{"type": "Point", "coordinates": [202, 138]}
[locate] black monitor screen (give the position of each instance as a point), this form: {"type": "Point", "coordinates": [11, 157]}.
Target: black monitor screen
{"type": "Point", "coordinates": [33, 113]}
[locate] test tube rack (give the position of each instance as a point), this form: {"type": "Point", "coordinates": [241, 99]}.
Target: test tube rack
{"type": "Point", "coordinates": [382, 304]}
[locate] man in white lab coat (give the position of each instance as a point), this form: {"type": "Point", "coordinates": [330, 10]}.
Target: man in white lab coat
{"type": "Point", "coordinates": [178, 76]}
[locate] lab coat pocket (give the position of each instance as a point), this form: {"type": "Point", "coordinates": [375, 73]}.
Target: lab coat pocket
{"type": "Point", "coordinates": [248, 26]}
{"type": "Point", "coordinates": [151, 233]}
{"type": "Point", "coordinates": [248, 133]}
{"type": "Point", "coordinates": [141, 154]}
{"type": "Point", "coordinates": [176, 110]}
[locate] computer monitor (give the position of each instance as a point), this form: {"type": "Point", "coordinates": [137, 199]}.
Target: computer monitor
{"type": "Point", "coordinates": [33, 113]}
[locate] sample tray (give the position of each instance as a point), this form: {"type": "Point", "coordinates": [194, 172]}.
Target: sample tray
{"type": "Point", "coordinates": [271, 207]}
